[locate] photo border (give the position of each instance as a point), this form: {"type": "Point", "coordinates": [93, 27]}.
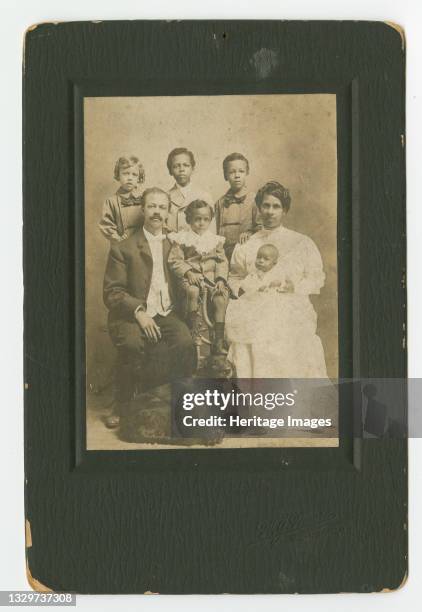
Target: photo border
{"type": "Point", "coordinates": [347, 454]}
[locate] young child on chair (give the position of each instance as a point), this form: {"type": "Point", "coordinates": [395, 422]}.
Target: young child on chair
{"type": "Point", "coordinates": [198, 260]}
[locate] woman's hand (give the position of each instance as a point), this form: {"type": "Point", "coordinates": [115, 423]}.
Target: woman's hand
{"type": "Point", "coordinates": [148, 326]}
{"type": "Point", "coordinates": [244, 237]}
{"type": "Point", "coordinates": [194, 278]}
{"type": "Point", "coordinates": [288, 287]}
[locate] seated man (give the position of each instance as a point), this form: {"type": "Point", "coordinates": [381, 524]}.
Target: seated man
{"type": "Point", "coordinates": [149, 336]}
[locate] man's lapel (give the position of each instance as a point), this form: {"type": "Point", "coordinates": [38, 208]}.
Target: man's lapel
{"type": "Point", "coordinates": [143, 246]}
{"type": "Point", "coordinates": [166, 249]}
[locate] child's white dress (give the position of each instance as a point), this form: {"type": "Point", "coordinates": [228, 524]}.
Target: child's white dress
{"type": "Point", "coordinates": [245, 318]}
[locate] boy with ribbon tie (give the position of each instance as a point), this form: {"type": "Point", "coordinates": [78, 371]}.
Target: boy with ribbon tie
{"type": "Point", "coordinates": [236, 213]}
{"type": "Point", "coordinates": [122, 213]}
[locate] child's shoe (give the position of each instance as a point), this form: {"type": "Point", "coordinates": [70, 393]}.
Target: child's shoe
{"type": "Point", "coordinates": [218, 347]}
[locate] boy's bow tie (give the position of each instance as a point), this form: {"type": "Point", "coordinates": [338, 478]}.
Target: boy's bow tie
{"type": "Point", "coordinates": [234, 199]}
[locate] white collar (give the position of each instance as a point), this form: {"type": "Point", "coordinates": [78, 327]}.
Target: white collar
{"type": "Point", "coordinates": [270, 232]}
{"type": "Point", "coordinates": [202, 243]}
{"type": "Point", "coordinates": [153, 238]}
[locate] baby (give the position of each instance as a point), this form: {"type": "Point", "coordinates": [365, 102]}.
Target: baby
{"type": "Point", "coordinates": [249, 318]}
{"type": "Point", "coordinates": [267, 275]}
{"type": "Point", "coordinates": [196, 258]}
{"type": "Point", "coordinates": [122, 212]}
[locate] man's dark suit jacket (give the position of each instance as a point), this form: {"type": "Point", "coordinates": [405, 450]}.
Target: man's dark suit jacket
{"type": "Point", "coordinates": [128, 276]}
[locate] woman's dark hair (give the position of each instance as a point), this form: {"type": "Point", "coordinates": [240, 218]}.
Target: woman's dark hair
{"type": "Point", "coordinates": [179, 151]}
{"type": "Point", "coordinates": [126, 162]}
{"type": "Point", "coordinates": [193, 206]}
{"type": "Point", "coordinates": [234, 157]}
{"type": "Point", "coordinates": [276, 190]}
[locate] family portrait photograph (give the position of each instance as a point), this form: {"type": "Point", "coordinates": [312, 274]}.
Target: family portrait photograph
{"type": "Point", "coordinates": [210, 252]}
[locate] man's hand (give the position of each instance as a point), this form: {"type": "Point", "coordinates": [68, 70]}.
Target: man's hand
{"type": "Point", "coordinates": [244, 237]}
{"type": "Point", "coordinates": [194, 278]}
{"type": "Point", "coordinates": [148, 326]}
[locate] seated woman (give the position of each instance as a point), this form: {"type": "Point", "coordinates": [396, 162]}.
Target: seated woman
{"type": "Point", "coordinates": [272, 328]}
{"type": "Point", "coordinates": [197, 257]}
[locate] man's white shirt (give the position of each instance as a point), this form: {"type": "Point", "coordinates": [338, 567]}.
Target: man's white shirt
{"type": "Point", "coordinates": [158, 300]}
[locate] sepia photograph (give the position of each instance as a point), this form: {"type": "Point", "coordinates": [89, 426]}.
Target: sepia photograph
{"type": "Point", "coordinates": [210, 254]}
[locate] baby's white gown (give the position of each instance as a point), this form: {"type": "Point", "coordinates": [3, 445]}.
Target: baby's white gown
{"type": "Point", "coordinates": [273, 334]}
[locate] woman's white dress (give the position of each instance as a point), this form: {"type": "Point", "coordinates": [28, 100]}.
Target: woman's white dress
{"type": "Point", "coordinates": [273, 334]}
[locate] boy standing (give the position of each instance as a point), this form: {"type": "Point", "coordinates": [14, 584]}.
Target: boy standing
{"type": "Point", "coordinates": [181, 164]}
{"type": "Point", "coordinates": [236, 213]}
{"type": "Point", "coordinates": [122, 212]}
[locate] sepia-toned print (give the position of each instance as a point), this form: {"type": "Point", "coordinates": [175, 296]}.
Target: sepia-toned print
{"type": "Point", "coordinates": [210, 270]}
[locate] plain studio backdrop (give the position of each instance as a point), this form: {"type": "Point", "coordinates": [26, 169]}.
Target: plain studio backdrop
{"type": "Point", "coordinates": [288, 138]}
